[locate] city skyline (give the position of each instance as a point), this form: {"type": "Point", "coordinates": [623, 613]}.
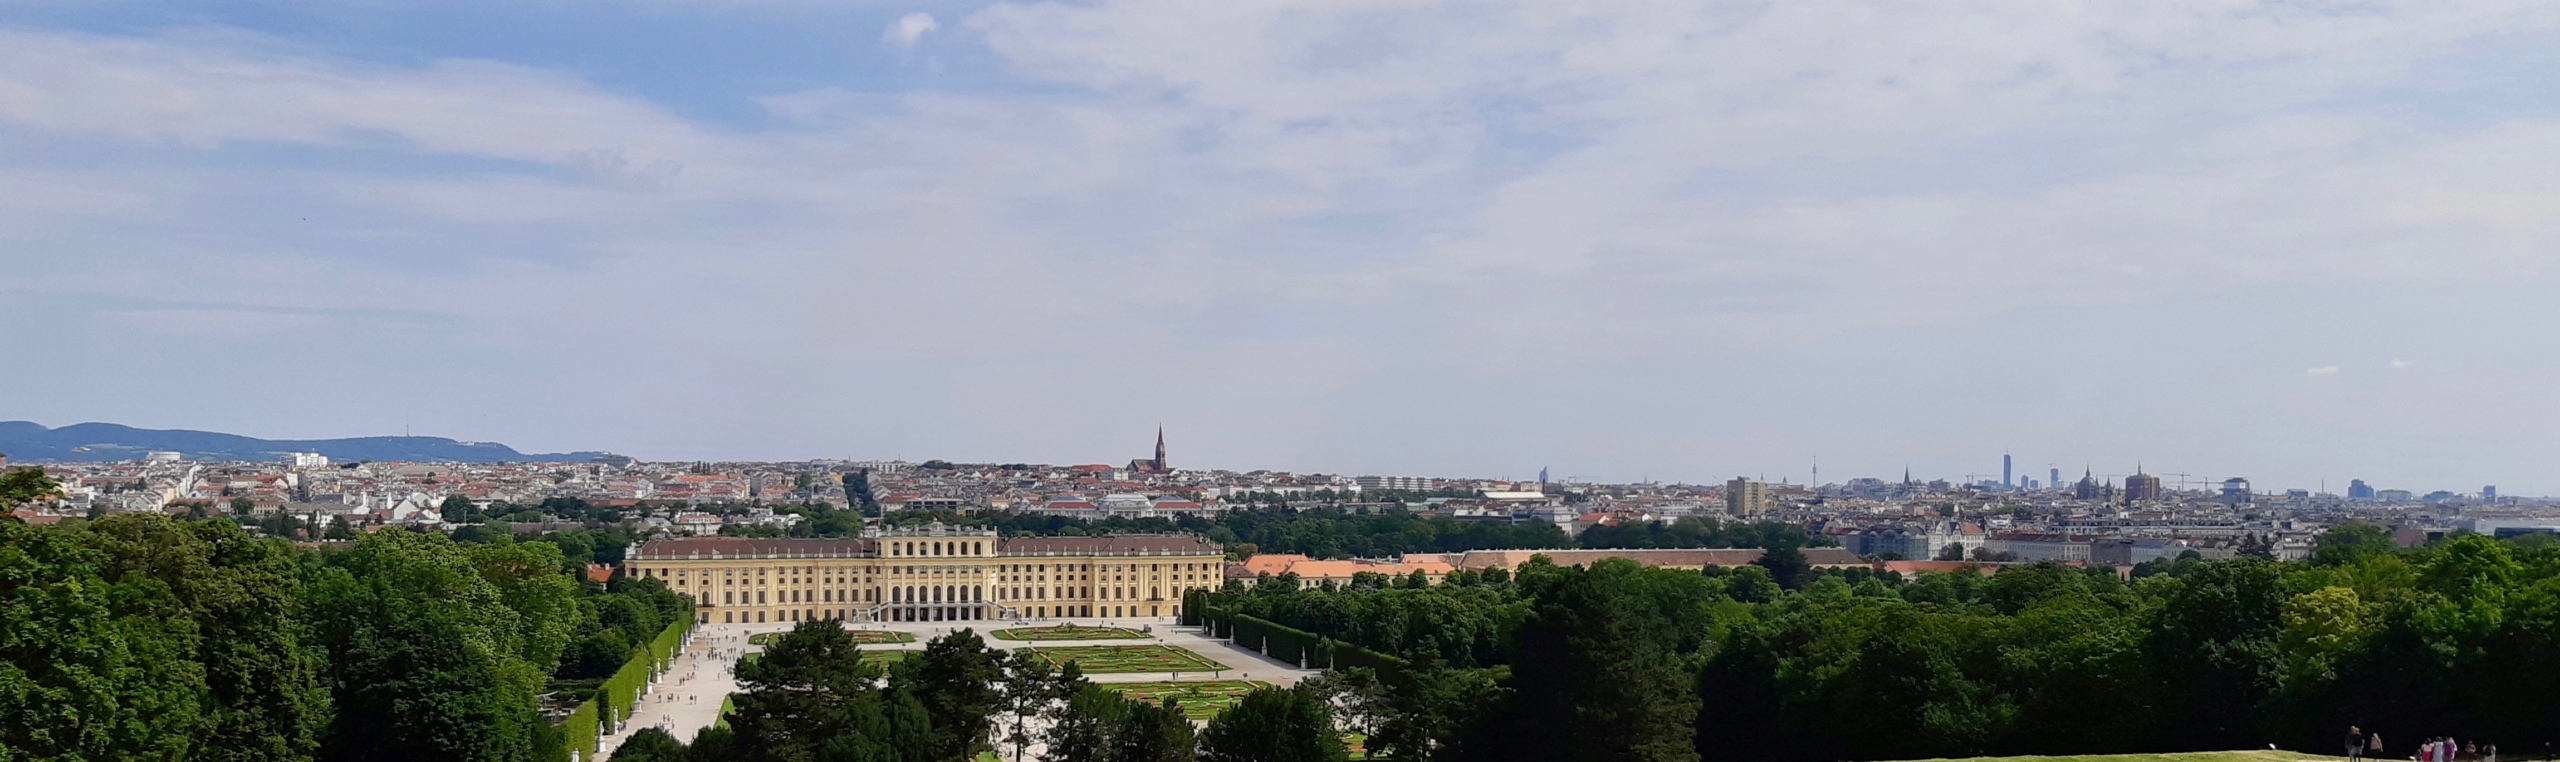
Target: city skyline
{"type": "Point", "coordinates": [1159, 462]}
{"type": "Point", "coordinates": [1623, 241]}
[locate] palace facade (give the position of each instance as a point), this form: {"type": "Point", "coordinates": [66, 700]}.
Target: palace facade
{"type": "Point", "coordinates": [932, 573]}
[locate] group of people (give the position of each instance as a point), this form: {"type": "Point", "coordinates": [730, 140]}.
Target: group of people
{"type": "Point", "coordinates": [2362, 745]}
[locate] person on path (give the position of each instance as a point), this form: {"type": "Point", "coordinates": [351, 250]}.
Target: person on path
{"type": "Point", "coordinates": [2373, 745]}
{"type": "Point", "coordinates": [2355, 743]}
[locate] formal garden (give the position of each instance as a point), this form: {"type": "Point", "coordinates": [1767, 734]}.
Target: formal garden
{"type": "Point", "coordinates": [1070, 632]}
{"type": "Point", "coordinates": [864, 637]}
{"type": "Point", "coordinates": [1097, 660]}
{"type": "Point", "coordinates": [1198, 700]}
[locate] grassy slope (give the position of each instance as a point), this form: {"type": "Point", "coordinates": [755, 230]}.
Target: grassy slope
{"type": "Point", "coordinates": [2261, 755]}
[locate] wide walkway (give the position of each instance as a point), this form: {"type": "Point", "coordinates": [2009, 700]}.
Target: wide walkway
{"type": "Point", "coordinates": [687, 699]}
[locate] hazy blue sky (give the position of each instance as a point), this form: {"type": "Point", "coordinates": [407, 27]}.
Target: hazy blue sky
{"type": "Point", "coordinates": [2290, 240]}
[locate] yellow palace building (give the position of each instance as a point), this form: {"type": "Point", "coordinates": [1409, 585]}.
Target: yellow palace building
{"type": "Point", "coordinates": [931, 573]}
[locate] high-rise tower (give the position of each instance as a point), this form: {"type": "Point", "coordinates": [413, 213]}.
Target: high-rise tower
{"type": "Point", "coordinates": [2005, 479]}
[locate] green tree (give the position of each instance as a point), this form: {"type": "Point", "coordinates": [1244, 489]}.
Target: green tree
{"type": "Point", "coordinates": [1274, 725]}
{"type": "Point", "coordinates": [263, 694]}
{"type": "Point", "coordinates": [1786, 566]}
{"type": "Point", "coordinates": [1084, 729]}
{"type": "Point", "coordinates": [811, 697]}
{"type": "Point", "coordinates": [426, 659]}
{"type": "Point", "coordinates": [533, 581]}
{"type": "Point", "coordinates": [90, 669]}
{"type": "Point", "coordinates": [2345, 543]}
{"type": "Point", "coordinates": [1030, 688]}
{"type": "Point", "coordinates": [1605, 665]}
{"type": "Point", "coordinates": [959, 680]}
{"type": "Point", "coordinates": [20, 486]}
{"type": "Point", "coordinates": [650, 745]}
{"type": "Point", "coordinates": [1155, 733]}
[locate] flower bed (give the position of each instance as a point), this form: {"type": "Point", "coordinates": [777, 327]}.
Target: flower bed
{"type": "Point", "coordinates": [1070, 632]}
{"type": "Point", "coordinates": [1197, 700]}
{"type": "Point", "coordinates": [1096, 660]}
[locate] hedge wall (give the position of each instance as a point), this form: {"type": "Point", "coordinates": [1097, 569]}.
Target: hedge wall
{"type": "Point", "coordinates": [1281, 641]}
{"type": "Point", "coordinates": [578, 732]}
{"type": "Point", "coordinates": [622, 690]}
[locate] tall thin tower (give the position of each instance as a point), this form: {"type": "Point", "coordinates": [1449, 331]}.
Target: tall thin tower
{"type": "Point", "coordinates": [1160, 449]}
{"type": "Point", "coordinates": [2005, 480]}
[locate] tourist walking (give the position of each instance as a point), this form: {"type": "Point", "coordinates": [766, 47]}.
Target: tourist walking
{"type": "Point", "coordinates": [2355, 743]}
{"type": "Point", "coordinates": [2373, 745]}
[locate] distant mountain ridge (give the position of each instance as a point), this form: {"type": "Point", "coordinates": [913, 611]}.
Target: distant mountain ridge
{"type": "Point", "coordinates": [92, 442]}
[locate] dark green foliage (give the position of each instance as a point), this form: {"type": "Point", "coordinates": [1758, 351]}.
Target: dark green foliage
{"type": "Point", "coordinates": [1274, 725]}
{"type": "Point", "coordinates": [2350, 542]}
{"type": "Point", "coordinates": [90, 669]}
{"type": "Point", "coordinates": [1603, 667]}
{"type": "Point", "coordinates": [810, 697]}
{"type": "Point", "coordinates": [650, 745]}
{"type": "Point", "coordinates": [713, 744]}
{"type": "Point", "coordinates": [958, 678]}
{"type": "Point", "coordinates": [136, 637]}
{"type": "Point", "coordinates": [426, 662]}
{"type": "Point", "coordinates": [263, 696]}
{"type": "Point", "coordinates": [1467, 626]}
{"type": "Point", "coordinates": [1415, 713]}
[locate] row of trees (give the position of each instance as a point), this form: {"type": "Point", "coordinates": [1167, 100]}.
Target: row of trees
{"type": "Point", "coordinates": [137, 636]}
{"type": "Point", "coordinates": [1622, 662]}
{"type": "Point", "coordinates": [811, 696]}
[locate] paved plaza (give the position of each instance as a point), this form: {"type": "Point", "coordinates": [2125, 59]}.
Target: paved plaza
{"type": "Point", "coordinates": [687, 698]}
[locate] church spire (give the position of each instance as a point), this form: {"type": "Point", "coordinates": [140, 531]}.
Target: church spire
{"type": "Point", "coordinates": [1159, 449]}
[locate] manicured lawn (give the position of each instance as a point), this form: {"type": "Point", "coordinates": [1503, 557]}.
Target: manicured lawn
{"type": "Point", "coordinates": [1096, 660]}
{"type": "Point", "coordinates": [864, 637]}
{"type": "Point", "coordinates": [1198, 700]}
{"type": "Point", "coordinates": [725, 708]}
{"type": "Point", "coordinates": [1070, 632]}
{"type": "Point", "coordinates": [882, 657]}
{"type": "Point", "coordinates": [2257, 755]}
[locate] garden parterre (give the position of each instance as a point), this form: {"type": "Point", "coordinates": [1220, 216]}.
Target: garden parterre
{"type": "Point", "coordinates": [1095, 660]}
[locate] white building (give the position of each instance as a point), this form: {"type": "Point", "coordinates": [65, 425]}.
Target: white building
{"type": "Point", "coordinates": [1407, 483]}
{"type": "Point", "coordinates": [305, 460]}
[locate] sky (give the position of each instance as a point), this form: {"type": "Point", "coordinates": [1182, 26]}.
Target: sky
{"type": "Point", "coordinates": [2298, 241]}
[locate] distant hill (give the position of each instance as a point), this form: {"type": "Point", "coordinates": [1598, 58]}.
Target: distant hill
{"type": "Point", "coordinates": [27, 441]}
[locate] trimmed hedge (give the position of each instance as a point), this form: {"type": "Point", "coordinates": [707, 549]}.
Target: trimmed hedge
{"type": "Point", "coordinates": [621, 692]}
{"type": "Point", "coordinates": [1290, 644]}
{"type": "Point", "coordinates": [578, 733]}
{"type": "Point", "coordinates": [1281, 641]}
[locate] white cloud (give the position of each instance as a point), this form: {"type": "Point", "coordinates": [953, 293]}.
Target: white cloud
{"type": "Point", "coordinates": [2324, 370]}
{"type": "Point", "coordinates": [2399, 364]}
{"type": "Point", "coordinates": [908, 28]}
{"type": "Point", "coordinates": [1284, 210]}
